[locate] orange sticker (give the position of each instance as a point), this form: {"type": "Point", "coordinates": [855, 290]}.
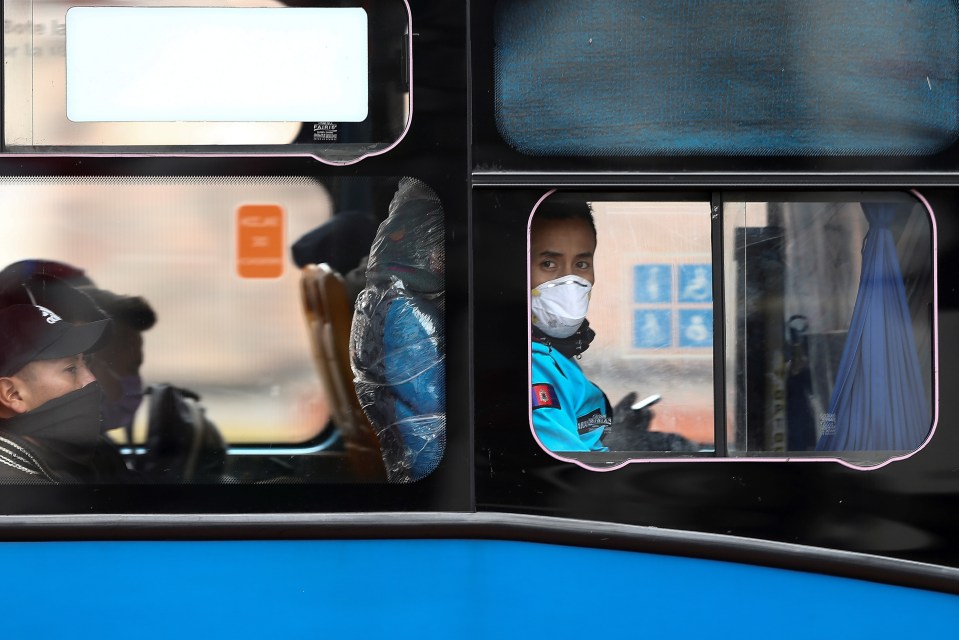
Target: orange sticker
{"type": "Point", "coordinates": [259, 241]}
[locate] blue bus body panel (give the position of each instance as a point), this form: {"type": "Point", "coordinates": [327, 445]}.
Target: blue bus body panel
{"type": "Point", "coordinates": [435, 589]}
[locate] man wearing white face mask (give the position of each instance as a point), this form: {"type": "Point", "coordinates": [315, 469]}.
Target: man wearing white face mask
{"type": "Point", "coordinates": [570, 413]}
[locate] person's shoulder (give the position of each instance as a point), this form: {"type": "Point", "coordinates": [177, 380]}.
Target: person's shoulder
{"type": "Point", "coordinates": [544, 352]}
{"type": "Point", "coordinates": [541, 354]}
{"type": "Point", "coordinates": [19, 464]}
{"type": "Point", "coordinates": [548, 364]}
{"type": "Point", "coordinates": [538, 348]}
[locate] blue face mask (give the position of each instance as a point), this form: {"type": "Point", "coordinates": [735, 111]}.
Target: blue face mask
{"type": "Point", "coordinates": [121, 412]}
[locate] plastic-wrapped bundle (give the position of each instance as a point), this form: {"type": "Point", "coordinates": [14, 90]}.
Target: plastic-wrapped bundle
{"type": "Point", "coordinates": [397, 343]}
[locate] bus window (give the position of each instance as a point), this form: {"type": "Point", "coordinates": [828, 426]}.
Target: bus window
{"type": "Point", "coordinates": [243, 304]}
{"type": "Point", "coordinates": [635, 79]}
{"type": "Point", "coordinates": [180, 246]}
{"type": "Point", "coordinates": [824, 330]}
{"type": "Point", "coordinates": [830, 336]}
{"type": "Point", "coordinates": [331, 81]}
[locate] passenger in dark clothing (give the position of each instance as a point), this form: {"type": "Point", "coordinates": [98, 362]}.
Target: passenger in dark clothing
{"type": "Point", "coordinates": [71, 294]}
{"type": "Point", "coordinates": [117, 364]}
{"type": "Point", "coordinates": [50, 402]}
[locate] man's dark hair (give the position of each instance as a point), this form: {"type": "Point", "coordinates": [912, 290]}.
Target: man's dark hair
{"type": "Point", "coordinates": [560, 208]}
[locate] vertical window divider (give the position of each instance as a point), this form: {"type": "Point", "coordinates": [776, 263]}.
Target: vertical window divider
{"type": "Point", "coordinates": [719, 327]}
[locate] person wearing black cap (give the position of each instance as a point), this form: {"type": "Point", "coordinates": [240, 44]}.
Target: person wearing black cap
{"type": "Point", "coordinates": [49, 399]}
{"type": "Point", "coordinates": [70, 293]}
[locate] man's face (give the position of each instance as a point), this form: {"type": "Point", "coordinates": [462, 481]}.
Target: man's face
{"type": "Point", "coordinates": [44, 380]}
{"type": "Point", "coordinates": [560, 248]}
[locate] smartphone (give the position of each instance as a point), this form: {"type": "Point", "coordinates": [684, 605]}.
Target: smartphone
{"type": "Point", "coordinates": [648, 401]}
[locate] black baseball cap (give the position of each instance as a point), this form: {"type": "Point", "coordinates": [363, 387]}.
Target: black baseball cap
{"type": "Point", "coordinates": [54, 285]}
{"type": "Point", "coordinates": [31, 332]}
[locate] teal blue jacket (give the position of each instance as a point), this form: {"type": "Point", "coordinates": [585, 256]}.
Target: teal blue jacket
{"type": "Point", "coordinates": [569, 412]}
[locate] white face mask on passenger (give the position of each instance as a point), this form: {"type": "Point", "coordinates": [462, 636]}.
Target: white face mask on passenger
{"type": "Point", "coordinates": [559, 306]}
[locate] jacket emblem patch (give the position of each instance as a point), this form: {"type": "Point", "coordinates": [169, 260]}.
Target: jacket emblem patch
{"type": "Point", "coordinates": [544, 395]}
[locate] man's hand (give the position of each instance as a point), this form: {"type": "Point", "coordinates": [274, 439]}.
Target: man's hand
{"type": "Point", "coordinates": [629, 427]}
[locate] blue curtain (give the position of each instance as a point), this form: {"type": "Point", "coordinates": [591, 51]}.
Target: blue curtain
{"type": "Point", "coordinates": [879, 402]}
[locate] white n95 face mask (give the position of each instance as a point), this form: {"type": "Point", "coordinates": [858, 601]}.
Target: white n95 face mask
{"type": "Point", "coordinates": [559, 306]}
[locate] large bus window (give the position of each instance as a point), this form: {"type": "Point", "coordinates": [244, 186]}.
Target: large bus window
{"type": "Point", "coordinates": [331, 81]}
{"type": "Point", "coordinates": [234, 302]}
{"type": "Point", "coordinates": [641, 79]}
{"type": "Point", "coordinates": [824, 329]}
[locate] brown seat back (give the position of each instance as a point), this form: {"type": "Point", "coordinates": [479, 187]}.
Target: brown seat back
{"type": "Point", "coordinates": [329, 316]}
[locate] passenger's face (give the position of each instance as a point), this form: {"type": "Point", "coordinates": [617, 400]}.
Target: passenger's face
{"type": "Point", "coordinates": [560, 248]}
{"type": "Point", "coordinates": [45, 380]}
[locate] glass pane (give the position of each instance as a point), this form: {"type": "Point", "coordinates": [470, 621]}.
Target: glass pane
{"type": "Point", "coordinates": [652, 314]}
{"type": "Point", "coordinates": [248, 293]}
{"type": "Point", "coordinates": [262, 95]}
{"type": "Point", "coordinates": [829, 336]}
{"type": "Point", "coordinates": [199, 64]}
{"type": "Point", "coordinates": [182, 246]}
{"type": "Point", "coordinates": [627, 78]}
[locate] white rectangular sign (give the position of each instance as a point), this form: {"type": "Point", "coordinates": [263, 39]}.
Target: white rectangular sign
{"type": "Point", "coordinates": [196, 64]}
